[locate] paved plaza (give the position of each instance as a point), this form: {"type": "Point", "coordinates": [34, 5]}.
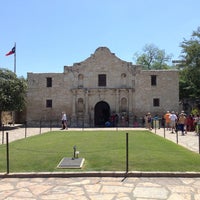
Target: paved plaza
{"type": "Point", "coordinates": [102, 188]}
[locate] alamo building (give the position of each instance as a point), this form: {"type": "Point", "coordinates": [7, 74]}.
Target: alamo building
{"type": "Point", "coordinates": [91, 92]}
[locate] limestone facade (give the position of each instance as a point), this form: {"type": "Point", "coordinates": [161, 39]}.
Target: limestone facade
{"type": "Point", "coordinates": [91, 91]}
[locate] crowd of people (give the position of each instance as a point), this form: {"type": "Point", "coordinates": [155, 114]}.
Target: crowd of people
{"type": "Point", "coordinates": [172, 121]}
{"type": "Point", "coordinates": [181, 122]}
{"type": "Point", "coordinates": [175, 122]}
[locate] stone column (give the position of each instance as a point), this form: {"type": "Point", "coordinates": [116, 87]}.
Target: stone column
{"type": "Point", "coordinates": [117, 101]}
{"type": "Point", "coordinates": [130, 107]}
{"type": "Point", "coordinates": [86, 115]}
{"type": "Point", "coordinates": [73, 119]}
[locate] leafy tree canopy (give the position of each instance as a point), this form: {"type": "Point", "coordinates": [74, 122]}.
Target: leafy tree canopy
{"type": "Point", "coordinates": [189, 75]}
{"type": "Point", "coordinates": [153, 58]}
{"type": "Point", "coordinates": [12, 91]}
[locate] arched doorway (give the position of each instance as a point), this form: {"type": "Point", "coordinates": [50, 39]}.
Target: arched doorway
{"type": "Point", "coordinates": [101, 113]}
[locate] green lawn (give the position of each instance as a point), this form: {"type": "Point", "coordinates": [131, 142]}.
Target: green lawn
{"type": "Point", "coordinates": [102, 150]}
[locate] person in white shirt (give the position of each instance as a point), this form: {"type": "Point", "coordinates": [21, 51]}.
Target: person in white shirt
{"type": "Point", "coordinates": [173, 119]}
{"type": "Point", "coordinates": [64, 120]}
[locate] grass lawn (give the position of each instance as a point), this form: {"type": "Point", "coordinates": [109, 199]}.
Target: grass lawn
{"type": "Point", "coordinates": [102, 150]}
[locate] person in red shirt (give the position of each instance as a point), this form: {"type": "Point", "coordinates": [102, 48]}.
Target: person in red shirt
{"type": "Point", "coordinates": [190, 123]}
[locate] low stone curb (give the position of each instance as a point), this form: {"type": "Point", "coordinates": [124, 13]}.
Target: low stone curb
{"type": "Point", "coordinates": [101, 174]}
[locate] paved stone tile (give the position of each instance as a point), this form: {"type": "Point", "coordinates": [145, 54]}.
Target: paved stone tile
{"type": "Point", "coordinates": [150, 192]}
{"type": "Point", "coordinates": [100, 188]}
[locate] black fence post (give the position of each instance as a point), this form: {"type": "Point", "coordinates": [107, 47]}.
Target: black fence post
{"type": "Point", "coordinates": [74, 147]}
{"type": "Point", "coordinates": [164, 129]}
{"type": "Point", "coordinates": [177, 137]}
{"type": "Point", "coordinates": [40, 126]}
{"type": "Point", "coordinates": [127, 153]}
{"type": "Point", "coordinates": [159, 123]}
{"type": "Point", "coordinates": [7, 153]}
{"type": "Point", "coordinates": [2, 133]}
{"type": "Point", "coordinates": [25, 124]}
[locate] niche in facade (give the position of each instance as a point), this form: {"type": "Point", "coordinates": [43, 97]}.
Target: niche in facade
{"type": "Point", "coordinates": [124, 104]}
{"type": "Point", "coordinates": [80, 105]}
{"type": "Point", "coordinates": [80, 80]}
{"type": "Point", "coordinates": [123, 79]}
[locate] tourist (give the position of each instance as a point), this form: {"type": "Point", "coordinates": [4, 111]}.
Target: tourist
{"type": "Point", "coordinates": [112, 120]}
{"type": "Point", "coordinates": [167, 120]}
{"type": "Point", "coordinates": [107, 124]}
{"type": "Point", "coordinates": [176, 125]}
{"type": "Point", "coordinates": [163, 121]}
{"type": "Point", "coordinates": [196, 123]}
{"type": "Point", "coordinates": [64, 120]}
{"type": "Point", "coordinates": [116, 120]}
{"type": "Point", "coordinates": [181, 122]}
{"type": "Point", "coordinates": [173, 119]}
{"type": "Point", "coordinates": [149, 120]}
{"type": "Point", "coordinates": [189, 123]}
{"type": "Point", "coordinates": [146, 121]}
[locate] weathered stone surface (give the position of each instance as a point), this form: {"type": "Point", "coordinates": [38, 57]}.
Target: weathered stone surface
{"type": "Point", "coordinates": [126, 90]}
{"type": "Point", "coordinates": [100, 188]}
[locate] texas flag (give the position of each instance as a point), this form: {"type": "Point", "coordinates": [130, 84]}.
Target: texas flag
{"type": "Point", "coordinates": [11, 52]}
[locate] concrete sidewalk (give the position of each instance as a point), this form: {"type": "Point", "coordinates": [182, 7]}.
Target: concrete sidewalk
{"type": "Point", "coordinates": [189, 140]}
{"type": "Point", "coordinates": [19, 132]}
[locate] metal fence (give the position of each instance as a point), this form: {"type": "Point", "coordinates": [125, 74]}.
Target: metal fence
{"type": "Point", "coordinates": [24, 130]}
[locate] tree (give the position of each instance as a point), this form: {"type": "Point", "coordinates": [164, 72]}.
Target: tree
{"type": "Point", "coordinates": [153, 58]}
{"type": "Point", "coordinates": [189, 76]}
{"type": "Point", "coordinates": [12, 91]}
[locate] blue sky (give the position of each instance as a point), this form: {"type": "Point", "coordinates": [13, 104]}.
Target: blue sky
{"type": "Point", "coordinates": [50, 34]}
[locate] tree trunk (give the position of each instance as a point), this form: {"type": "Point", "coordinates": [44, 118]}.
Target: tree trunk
{"type": "Point", "coordinates": [0, 118]}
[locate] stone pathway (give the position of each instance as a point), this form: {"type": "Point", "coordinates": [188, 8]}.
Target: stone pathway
{"type": "Point", "coordinates": [189, 140]}
{"type": "Point", "coordinates": [20, 132]}
{"type": "Point", "coordinates": [100, 188]}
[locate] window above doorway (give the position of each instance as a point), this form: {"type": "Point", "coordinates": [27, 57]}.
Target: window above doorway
{"type": "Point", "coordinates": [102, 80]}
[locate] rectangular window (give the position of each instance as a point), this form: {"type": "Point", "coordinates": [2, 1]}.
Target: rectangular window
{"type": "Point", "coordinates": [49, 82]}
{"type": "Point", "coordinates": [102, 80]}
{"type": "Point", "coordinates": [153, 80]}
{"type": "Point", "coordinates": [156, 102]}
{"type": "Point", "coordinates": [49, 103]}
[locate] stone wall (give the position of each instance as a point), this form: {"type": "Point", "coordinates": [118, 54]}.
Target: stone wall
{"type": "Point", "coordinates": [127, 91]}
{"type": "Point", "coordinates": [167, 90]}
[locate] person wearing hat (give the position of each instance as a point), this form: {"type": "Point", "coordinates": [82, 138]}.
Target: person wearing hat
{"type": "Point", "coordinates": [181, 122]}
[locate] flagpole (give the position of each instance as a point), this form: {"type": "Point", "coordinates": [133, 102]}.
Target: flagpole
{"type": "Point", "coordinates": [13, 112]}
{"type": "Point", "coordinates": [15, 59]}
